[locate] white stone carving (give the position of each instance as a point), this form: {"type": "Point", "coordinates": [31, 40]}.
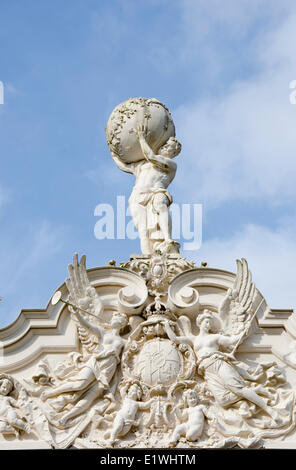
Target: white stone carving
{"type": "Point", "coordinates": [125, 419]}
{"type": "Point", "coordinates": [127, 117]}
{"type": "Point", "coordinates": [155, 352]}
{"type": "Point", "coordinates": [140, 135]}
{"type": "Point", "coordinates": [91, 372]}
{"type": "Point", "coordinates": [11, 421]}
{"type": "Point", "coordinates": [159, 375]}
{"type": "Point", "coordinates": [193, 416]}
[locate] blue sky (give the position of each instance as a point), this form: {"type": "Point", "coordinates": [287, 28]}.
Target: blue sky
{"type": "Point", "coordinates": [223, 71]}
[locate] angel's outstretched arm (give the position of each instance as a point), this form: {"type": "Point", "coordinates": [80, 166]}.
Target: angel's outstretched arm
{"type": "Point", "coordinates": [173, 337]}
{"type": "Point", "coordinates": [99, 332]}
{"type": "Point", "coordinates": [144, 405]}
{"type": "Point", "coordinates": [226, 341]}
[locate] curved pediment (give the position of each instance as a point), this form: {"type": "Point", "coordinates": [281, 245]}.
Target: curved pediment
{"type": "Point", "coordinates": [51, 330]}
{"type": "Point", "coordinates": [151, 311]}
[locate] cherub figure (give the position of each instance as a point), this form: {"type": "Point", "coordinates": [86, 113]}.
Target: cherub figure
{"type": "Point", "coordinates": [10, 422]}
{"type": "Point", "coordinates": [149, 201]}
{"type": "Point", "coordinates": [126, 417]}
{"type": "Point", "coordinates": [193, 416]}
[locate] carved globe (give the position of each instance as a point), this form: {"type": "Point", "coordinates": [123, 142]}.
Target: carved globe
{"type": "Point", "coordinates": [159, 362]}
{"type": "Point", "coordinates": [126, 117]}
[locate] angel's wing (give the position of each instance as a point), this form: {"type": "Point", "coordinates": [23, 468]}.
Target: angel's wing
{"type": "Point", "coordinates": [236, 308]}
{"type": "Point", "coordinates": [84, 296]}
{"type": "Point", "coordinates": [81, 293]}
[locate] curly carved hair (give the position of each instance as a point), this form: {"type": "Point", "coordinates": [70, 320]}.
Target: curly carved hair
{"type": "Point", "coordinates": [176, 146]}
{"type": "Point", "coordinates": [3, 379]}
{"type": "Point", "coordinates": [187, 393]}
{"type": "Point", "coordinates": [206, 314]}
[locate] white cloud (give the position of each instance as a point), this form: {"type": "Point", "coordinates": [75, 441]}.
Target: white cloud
{"type": "Point", "coordinates": [26, 260]}
{"type": "Point", "coordinates": [271, 255]}
{"type": "Point", "coordinates": [241, 145]}
{"type": "Point", "coordinates": [205, 20]}
{"type": "Point", "coordinates": [239, 138]}
{"type": "Point", "coordinates": [41, 243]}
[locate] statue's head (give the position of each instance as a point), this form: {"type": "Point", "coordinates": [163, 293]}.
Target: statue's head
{"type": "Point", "coordinates": [119, 320]}
{"type": "Point", "coordinates": [171, 148]}
{"type": "Point", "coordinates": [134, 392]}
{"type": "Point", "coordinates": [6, 386]}
{"type": "Point", "coordinates": [205, 321]}
{"type": "Point", "coordinates": [190, 397]}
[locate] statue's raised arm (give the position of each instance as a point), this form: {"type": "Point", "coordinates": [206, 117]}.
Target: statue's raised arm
{"type": "Point", "coordinates": [161, 161]}
{"type": "Point", "coordinates": [127, 167]}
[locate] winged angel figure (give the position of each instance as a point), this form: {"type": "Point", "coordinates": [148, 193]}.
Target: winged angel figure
{"type": "Point", "coordinates": [101, 344]}
{"type": "Point", "coordinates": [222, 373]}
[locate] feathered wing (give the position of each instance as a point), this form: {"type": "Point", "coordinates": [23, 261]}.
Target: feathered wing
{"type": "Point", "coordinates": [237, 307]}
{"type": "Point", "coordinates": [82, 294]}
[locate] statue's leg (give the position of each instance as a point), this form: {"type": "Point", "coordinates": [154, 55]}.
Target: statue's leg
{"type": "Point", "coordinates": [179, 431]}
{"type": "Point", "coordinates": [252, 396]}
{"type": "Point", "coordinates": [232, 381]}
{"type": "Point", "coordinates": [82, 380]}
{"type": "Point", "coordinates": [145, 246]}
{"type": "Point", "coordinates": [143, 233]}
{"type": "Point", "coordinates": [194, 432]}
{"type": "Point", "coordinates": [139, 215]}
{"type": "Point", "coordinates": [83, 404]}
{"type": "Point", "coordinates": [161, 205]}
{"type": "Point", "coordinates": [117, 428]}
{"type": "Point", "coordinates": [16, 422]}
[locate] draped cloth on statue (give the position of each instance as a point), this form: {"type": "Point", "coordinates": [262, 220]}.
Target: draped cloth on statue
{"type": "Point", "coordinates": [222, 379]}
{"type": "Point", "coordinates": [237, 418]}
{"type": "Point", "coordinates": [103, 367]}
{"type": "Point", "coordinates": [147, 200]}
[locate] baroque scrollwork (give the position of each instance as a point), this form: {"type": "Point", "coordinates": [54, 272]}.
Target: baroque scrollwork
{"type": "Point", "coordinates": [155, 352]}
{"type": "Point", "coordinates": [158, 270]}
{"type": "Point", "coordinates": [154, 378]}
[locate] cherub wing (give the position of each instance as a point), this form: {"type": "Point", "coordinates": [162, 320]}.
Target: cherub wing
{"type": "Point", "coordinates": [84, 296]}
{"type": "Point", "coordinates": [236, 308]}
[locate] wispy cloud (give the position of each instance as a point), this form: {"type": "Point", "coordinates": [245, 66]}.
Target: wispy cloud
{"type": "Point", "coordinates": [25, 260]}
{"type": "Point", "coordinates": [241, 144]}
{"type": "Point", "coordinates": [271, 255]}
{"type": "Point", "coordinates": [45, 242]}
